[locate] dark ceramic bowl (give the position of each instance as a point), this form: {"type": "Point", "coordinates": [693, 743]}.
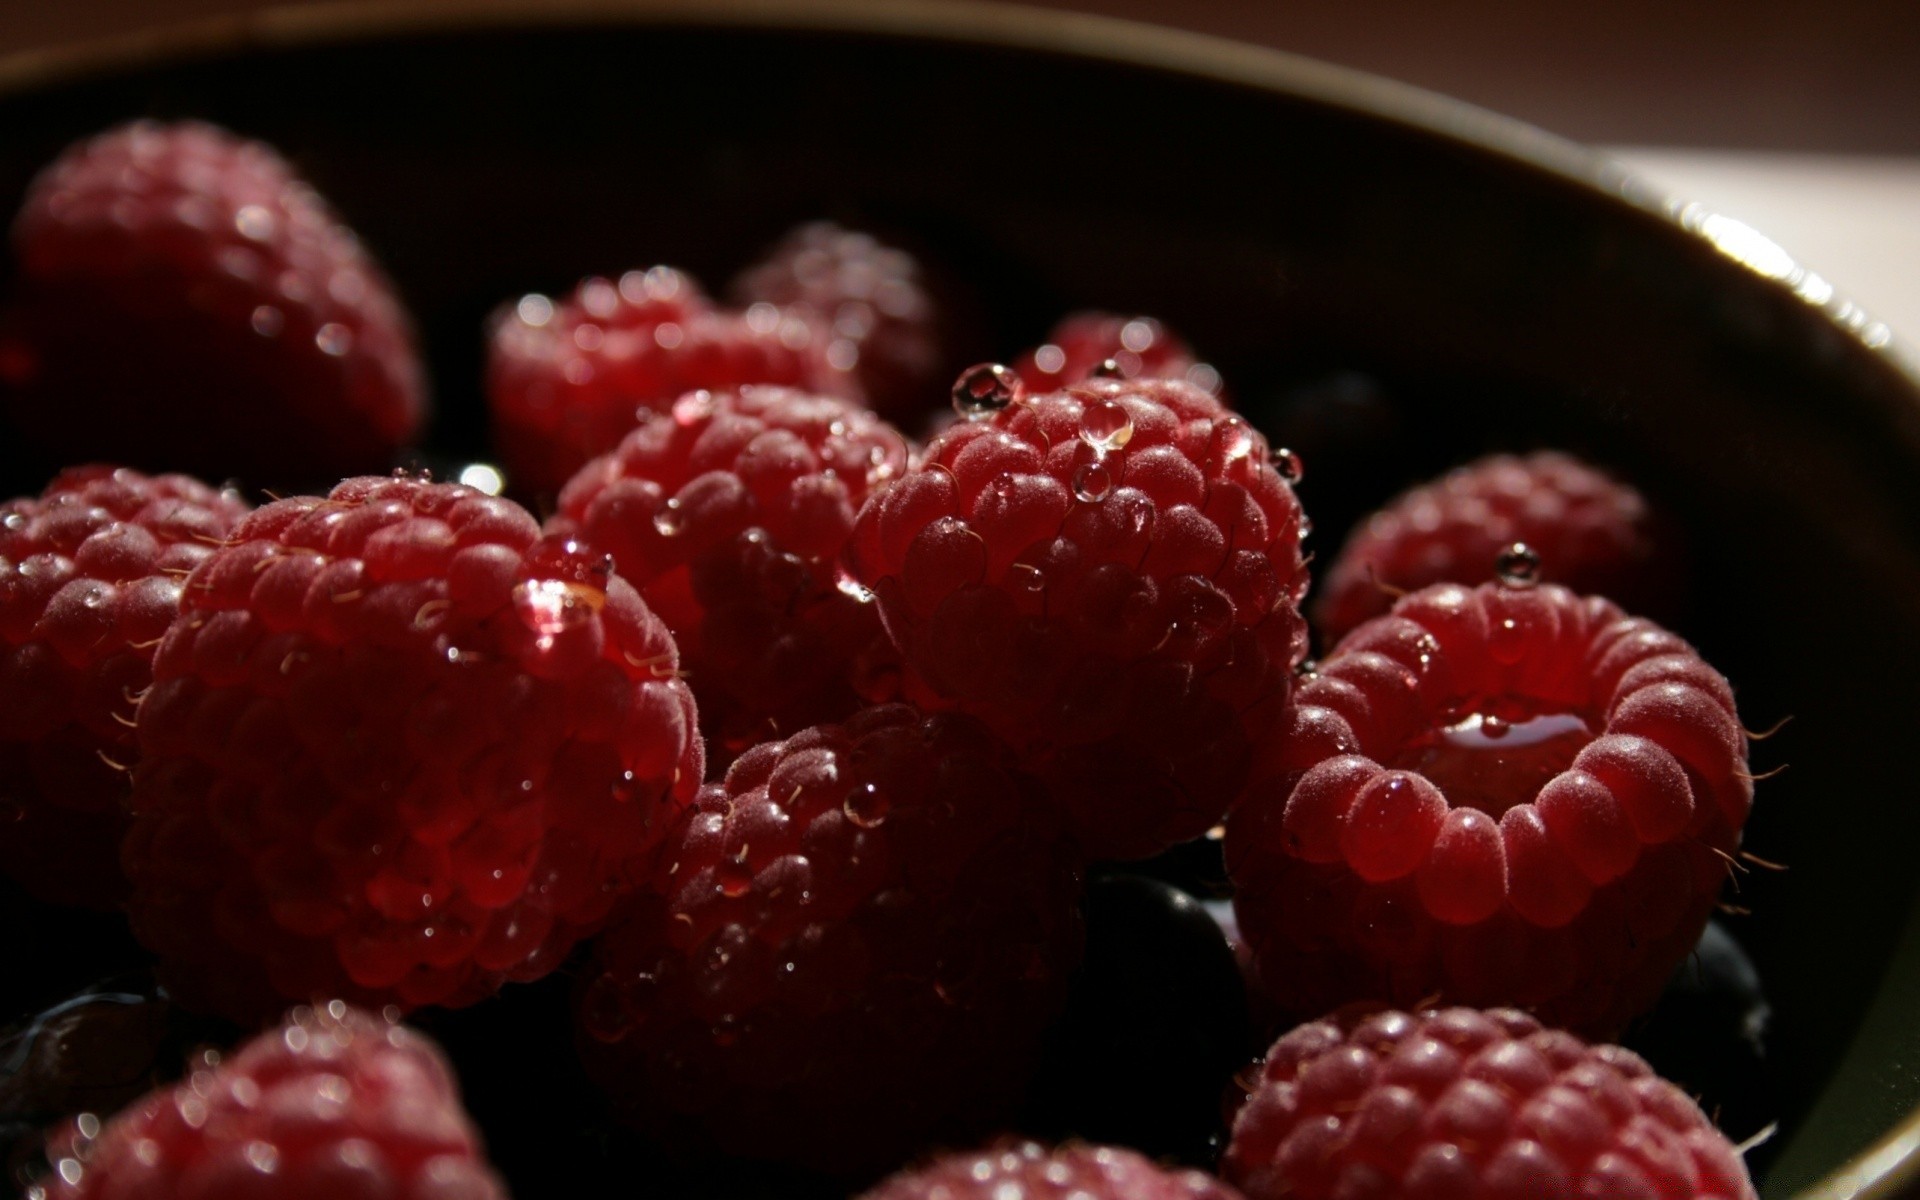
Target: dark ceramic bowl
{"type": "Point", "coordinates": [1390, 281]}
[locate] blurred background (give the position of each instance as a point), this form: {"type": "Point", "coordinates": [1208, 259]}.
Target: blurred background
{"type": "Point", "coordinates": [1799, 119]}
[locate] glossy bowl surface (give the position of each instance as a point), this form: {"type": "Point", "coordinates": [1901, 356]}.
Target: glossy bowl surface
{"type": "Point", "coordinates": [1315, 232]}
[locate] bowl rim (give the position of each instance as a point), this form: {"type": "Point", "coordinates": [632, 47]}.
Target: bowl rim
{"type": "Point", "coordinates": [1886, 1169]}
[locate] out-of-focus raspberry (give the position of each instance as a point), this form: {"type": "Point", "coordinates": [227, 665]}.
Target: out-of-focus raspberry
{"type": "Point", "coordinates": [400, 749]}
{"type": "Point", "coordinates": [185, 301]}
{"type": "Point", "coordinates": [90, 577]}
{"type": "Point", "coordinates": [1108, 576]}
{"type": "Point", "coordinates": [1082, 345]}
{"type": "Point", "coordinates": [1476, 1105]}
{"type": "Point", "coordinates": [334, 1103]}
{"type": "Point", "coordinates": [1495, 795]}
{"type": "Point", "coordinates": [1592, 534]}
{"type": "Point", "coordinates": [848, 949]}
{"type": "Point", "coordinates": [729, 513]}
{"type": "Point", "coordinates": [566, 380]}
{"type": "Point", "coordinates": [1071, 1172]}
{"type": "Point", "coordinates": [885, 326]}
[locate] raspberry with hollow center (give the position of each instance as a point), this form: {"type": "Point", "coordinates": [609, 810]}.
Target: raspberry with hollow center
{"type": "Point", "coordinates": [1496, 795]}
{"type": "Point", "coordinates": [729, 514]}
{"type": "Point", "coordinates": [335, 1102]}
{"type": "Point", "coordinates": [1107, 575]}
{"type": "Point", "coordinates": [565, 380]}
{"type": "Point", "coordinates": [185, 301]}
{"type": "Point", "coordinates": [1591, 533]}
{"type": "Point", "coordinates": [398, 749]}
{"type": "Point", "coordinates": [848, 948]}
{"type": "Point", "coordinates": [1475, 1105]}
{"type": "Point", "coordinates": [90, 576]}
{"type": "Point", "coordinates": [1074, 1171]}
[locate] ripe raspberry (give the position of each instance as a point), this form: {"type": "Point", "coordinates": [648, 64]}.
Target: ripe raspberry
{"type": "Point", "coordinates": [1592, 534]}
{"type": "Point", "coordinates": [1078, 348]}
{"type": "Point", "coordinates": [398, 749]}
{"type": "Point", "coordinates": [186, 301]}
{"type": "Point", "coordinates": [565, 380]}
{"type": "Point", "coordinates": [1501, 795]}
{"type": "Point", "coordinates": [885, 326]}
{"type": "Point", "coordinates": [729, 514]}
{"type": "Point", "coordinates": [90, 576]}
{"type": "Point", "coordinates": [1031, 1171]}
{"type": "Point", "coordinates": [1107, 576]}
{"type": "Point", "coordinates": [336, 1102]}
{"type": "Point", "coordinates": [847, 948]}
{"type": "Point", "coordinates": [1474, 1105]}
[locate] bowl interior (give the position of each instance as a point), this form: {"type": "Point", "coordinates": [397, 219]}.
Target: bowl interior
{"type": "Point", "coordinates": [1387, 299]}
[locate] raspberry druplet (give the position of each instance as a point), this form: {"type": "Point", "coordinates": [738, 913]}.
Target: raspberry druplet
{"type": "Point", "coordinates": [90, 577]}
{"type": "Point", "coordinates": [1108, 576]}
{"type": "Point", "coordinates": [1074, 1171]}
{"type": "Point", "coordinates": [729, 513]}
{"type": "Point", "coordinates": [1494, 795]}
{"type": "Point", "coordinates": [400, 749]}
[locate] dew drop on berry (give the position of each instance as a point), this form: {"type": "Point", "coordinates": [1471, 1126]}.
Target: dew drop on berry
{"type": "Point", "coordinates": [669, 519]}
{"type": "Point", "coordinates": [1289, 465]}
{"type": "Point", "coordinates": [14, 522]}
{"type": "Point", "coordinates": [1518, 566]}
{"type": "Point", "coordinates": [1092, 482]}
{"type": "Point", "coordinates": [1106, 425]}
{"type": "Point", "coordinates": [852, 588]}
{"type": "Point", "coordinates": [984, 389]}
{"type": "Point", "coordinates": [866, 806]}
{"type": "Point", "coordinates": [1108, 368]}
{"type": "Point", "coordinates": [483, 477]}
{"type": "Point", "coordinates": [268, 321]}
{"type": "Point", "coordinates": [1027, 577]}
{"type": "Point", "coordinates": [334, 339]}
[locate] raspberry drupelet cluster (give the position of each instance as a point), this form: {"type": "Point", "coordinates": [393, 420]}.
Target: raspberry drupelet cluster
{"type": "Point", "coordinates": [250, 332]}
{"type": "Point", "coordinates": [729, 513]}
{"type": "Point", "coordinates": [90, 577]}
{"type": "Point", "coordinates": [399, 749]}
{"type": "Point", "coordinates": [1071, 1172]}
{"type": "Point", "coordinates": [1108, 576]}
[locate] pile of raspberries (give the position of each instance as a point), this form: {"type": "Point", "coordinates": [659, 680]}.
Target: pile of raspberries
{"type": "Point", "coordinates": [792, 725]}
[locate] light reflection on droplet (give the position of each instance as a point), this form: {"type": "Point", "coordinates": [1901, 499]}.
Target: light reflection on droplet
{"type": "Point", "coordinates": [254, 223]}
{"type": "Point", "coordinates": [534, 309]}
{"type": "Point", "coordinates": [334, 339]}
{"type": "Point", "coordinates": [484, 477]}
{"type": "Point", "coordinates": [268, 321]}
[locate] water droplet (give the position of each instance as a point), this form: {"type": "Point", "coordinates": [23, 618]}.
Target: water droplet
{"type": "Point", "coordinates": [693, 407]}
{"type": "Point", "coordinates": [1308, 668]}
{"type": "Point", "coordinates": [334, 339]}
{"type": "Point", "coordinates": [984, 389]}
{"type": "Point", "coordinates": [1106, 425]}
{"type": "Point", "coordinates": [732, 877]}
{"type": "Point", "coordinates": [1306, 525]}
{"type": "Point", "coordinates": [1092, 482]}
{"type": "Point", "coordinates": [853, 588]}
{"type": "Point", "coordinates": [669, 519]}
{"type": "Point", "coordinates": [1027, 577]}
{"type": "Point", "coordinates": [534, 309]}
{"type": "Point", "coordinates": [866, 806]}
{"type": "Point", "coordinates": [268, 321]}
{"type": "Point", "coordinates": [254, 223]}
{"type": "Point", "coordinates": [483, 477]}
{"type": "Point", "coordinates": [1232, 441]}
{"type": "Point", "coordinates": [1518, 566]}
{"type": "Point", "coordinates": [1108, 368]}
{"type": "Point", "coordinates": [1289, 465]}
{"type": "Point", "coordinates": [15, 522]}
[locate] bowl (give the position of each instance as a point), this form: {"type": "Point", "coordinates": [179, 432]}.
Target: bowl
{"type": "Point", "coordinates": [1389, 280]}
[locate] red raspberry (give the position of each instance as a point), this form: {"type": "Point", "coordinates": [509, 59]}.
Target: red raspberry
{"type": "Point", "coordinates": [90, 577]}
{"type": "Point", "coordinates": [1501, 795]}
{"type": "Point", "coordinates": [566, 380]}
{"type": "Point", "coordinates": [186, 301]}
{"type": "Point", "coordinates": [729, 514]}
{"type": "Point", "coordinates": [1078, 348]}
{"type": "Point", "coordinates": [1472, 1106]}
{"type": "Point", "coordinates": [1033, 1172]}
{"type": "Point", "coordinates": [334, 1103]}
{"type": "Point", "coordinates": [1591, 533]}
{"type": "Point", "coordinates": [885, 325]}
{"type": "Point", "coordinates": [398, 749]}
{"type": "Point", "coordinates": [1107, 576]}
{"type": "Point", "coordinates": [849, 947]}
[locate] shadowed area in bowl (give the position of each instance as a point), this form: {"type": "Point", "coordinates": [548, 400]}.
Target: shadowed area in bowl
{"type": "Point", "coordinates": [1310, 251]}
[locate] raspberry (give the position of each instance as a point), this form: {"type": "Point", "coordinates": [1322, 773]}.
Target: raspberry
{"type": "Point", "coordinates": [1591, 533]}
{"type": "Point", "coordinates": [90, 576]}
{"type": "Point", "coordinates": [397, 749]}
{"type": "Point", "coordinates": [1079, 347]}
{"type": "Point", "coordinates": [729, 515]}
{"type": "Point", "coordinates": [847, 948]}
{"type": "Point", "coordinates": [186, 301]}
{"type": "Point", "coordinates": [884, 324]}
{"type": "Point", "coordinates": [1501, 795]}
{"type": "Point", "coordinates": [1106, 575]}
{"type": "Point", "coordinates": [336, 1102]}
{"type": "Point", "coordinates": [1030, 1170]}
{"type": "Point", "coordinates": [1475, 1105]}
{"type": "Point", "coordinates": [565, 380]}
